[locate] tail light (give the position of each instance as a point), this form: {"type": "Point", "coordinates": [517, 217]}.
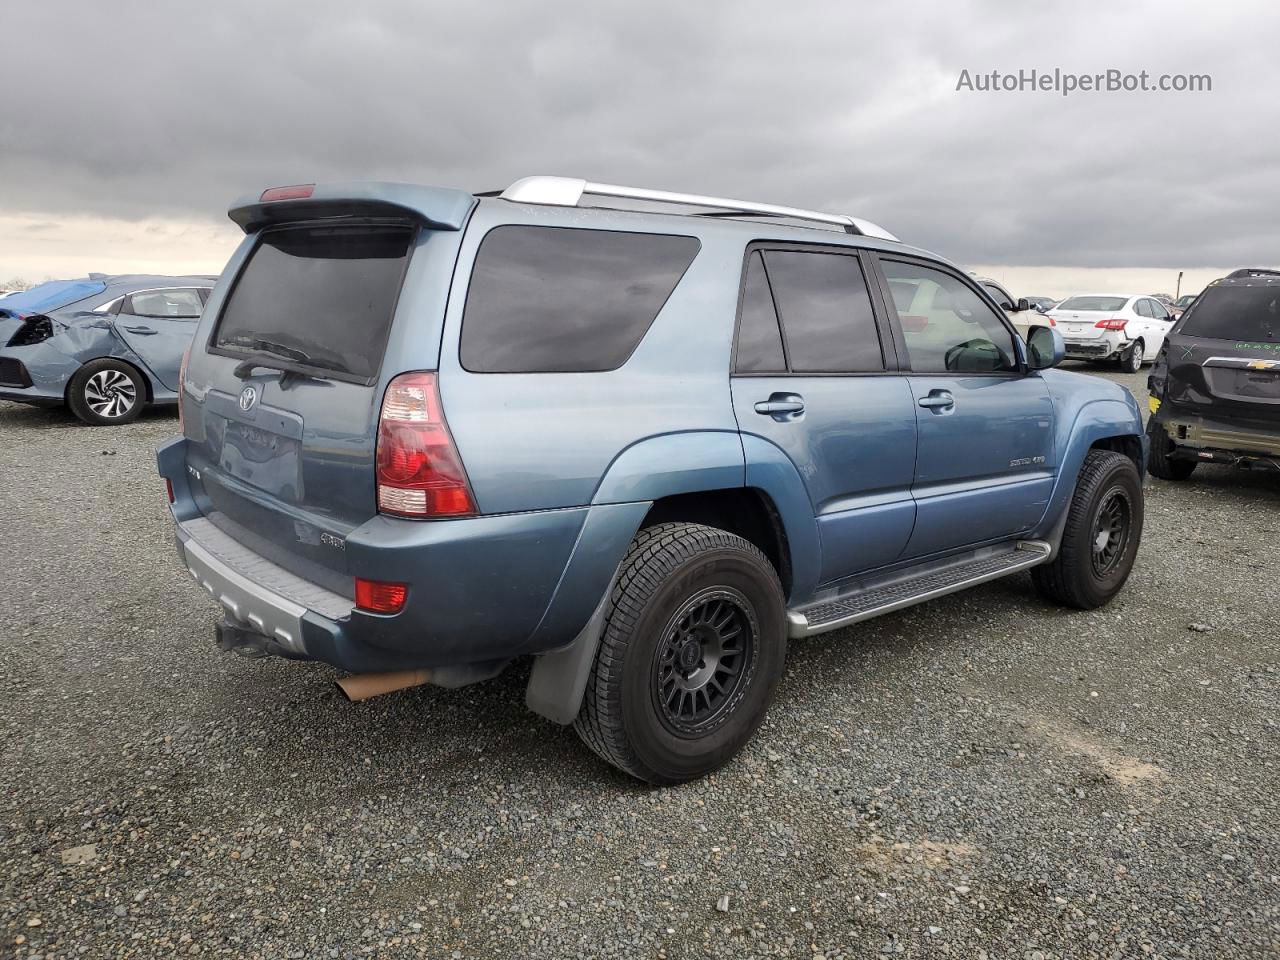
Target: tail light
{"type": "Point", "coordinates": [182, 388]}
{"type": "Point", "coordinates": [1115, 323]}
{"type": "Point", "coordinates": [375, 596]}
{"type": "Point", "coordinates": [1052, 322]}
{"type": "Point", "coordinates": [34, 329]}
{"type": "Point", "coordinates": [419, 471]}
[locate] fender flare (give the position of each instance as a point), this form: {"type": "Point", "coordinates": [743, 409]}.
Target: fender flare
{"type": "Point", "coordinates": [647, 471]}
{"type": "Point", "coordinates": [1096, 420]}
{"type": "Point", "coordinates": [673, 463]}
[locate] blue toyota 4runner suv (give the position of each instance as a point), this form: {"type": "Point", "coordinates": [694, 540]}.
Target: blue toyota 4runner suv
{"type": "Point", "coordinates": [645, 438]}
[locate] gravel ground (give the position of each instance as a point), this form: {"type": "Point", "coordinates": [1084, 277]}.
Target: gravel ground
{"type": "Point", "coordinates": [984, 776]}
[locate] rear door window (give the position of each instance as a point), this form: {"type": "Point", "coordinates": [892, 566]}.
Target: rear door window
{"type": "Point", "coordinates": [318, 297]}
{"type": "Point", "coordinates": [826, 312]}
{"type": "Point", "coordinates": [1249, 314]}
{"type": "Point", "coordinates": [557, 299]}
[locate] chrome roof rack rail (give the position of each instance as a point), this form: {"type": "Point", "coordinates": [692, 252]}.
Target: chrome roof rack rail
{"type": "Point", "coordinates": [568, 192]}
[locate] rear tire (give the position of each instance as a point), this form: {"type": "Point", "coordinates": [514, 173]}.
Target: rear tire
{"type": "Point", "coordinates": [106, 393]}
{"type": "Point", "coordinates": [1101, 537]}
{"type": "Point", "coordinates": [1131, 362]}
{"type": "Point", "coordinates": [1161, 463]}
{"type": "Point", "coordinates": [692, 650]}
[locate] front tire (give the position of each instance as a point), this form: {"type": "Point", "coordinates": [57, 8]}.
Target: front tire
{"type": "Point", "coordinates": [1161, 464]}
{"type": "Point", "coordinates": [692, 650]}
{"type": "Point", "coordinates": [1101, 537]}
{"type": "Point", "coordinates": [107, 392]}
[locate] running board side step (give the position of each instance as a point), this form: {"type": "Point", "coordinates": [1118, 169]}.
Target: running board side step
{"type": "Point", "coordinates": [907, 588]}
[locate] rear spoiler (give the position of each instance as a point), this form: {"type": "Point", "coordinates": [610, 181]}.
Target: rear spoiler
{"type": "Point", "coordinates": [437, 207]}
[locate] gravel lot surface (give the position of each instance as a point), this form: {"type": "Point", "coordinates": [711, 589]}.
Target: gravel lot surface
{"type": "Point", "coordinates": [984, 776]}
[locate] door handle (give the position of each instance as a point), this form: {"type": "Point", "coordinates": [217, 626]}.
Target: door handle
{"type": "Point", "coordinates": [144, 331]}
{"type": "Point", "coordinates": [938, 400]}
{"type": "Point", "coordinates": [781, 406]}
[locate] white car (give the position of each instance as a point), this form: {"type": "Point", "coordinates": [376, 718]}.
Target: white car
{"type": "Point", "coordinates": [1021, 313]}
{"type": "Point", "coordinates": [1113, 326]}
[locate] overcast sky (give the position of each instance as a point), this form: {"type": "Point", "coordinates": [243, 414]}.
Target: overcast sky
{"type": "Point", "coordinates": [126, 133]}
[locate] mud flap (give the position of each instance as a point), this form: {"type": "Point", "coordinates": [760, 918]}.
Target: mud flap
{"type": "Point", "coordinates": [559, 679]}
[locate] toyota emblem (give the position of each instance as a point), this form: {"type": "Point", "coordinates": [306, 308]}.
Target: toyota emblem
{"type": "Point", "coordinates": [248, 398]}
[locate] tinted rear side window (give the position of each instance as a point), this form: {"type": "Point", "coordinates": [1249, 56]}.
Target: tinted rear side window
{"type": "Point", "coordinates": [759, 339]}
{"type": "Point", "coordinates": [556, 299]}
{"type": "Point", "coordinates": [1235, 313]}
{"type": "Point", "coordinates": [826, 312]}
{"type": "Point", "coordinates": [320, 297]}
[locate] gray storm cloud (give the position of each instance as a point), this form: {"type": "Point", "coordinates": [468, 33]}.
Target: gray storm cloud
{"type": "Point", "coordinates": [122, 110]}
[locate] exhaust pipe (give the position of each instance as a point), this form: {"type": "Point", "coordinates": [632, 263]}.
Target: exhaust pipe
{"type": "Point", "coordinates": [362, 686]}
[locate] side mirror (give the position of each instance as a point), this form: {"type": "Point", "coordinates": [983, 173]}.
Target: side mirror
{"type": "Point", "coordinates": [1023, 304]}
{"type": "Point", "coordinates": [1045, 348]}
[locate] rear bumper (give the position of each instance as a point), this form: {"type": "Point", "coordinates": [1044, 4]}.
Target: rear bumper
{"type": "Point", "coordinates": [1217, 440]}
{"type": "Point", "coordinates": [1103, 348]}
{"type": "Point", "coordinates": [18, 384]}
{"type": "Point", "coordinates": [480, 589]}
{"type": "Point", "coordinates": [254, 592]}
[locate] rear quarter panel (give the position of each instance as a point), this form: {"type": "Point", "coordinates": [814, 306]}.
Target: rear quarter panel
{"type": "Point", "coordinates": [661, 423]}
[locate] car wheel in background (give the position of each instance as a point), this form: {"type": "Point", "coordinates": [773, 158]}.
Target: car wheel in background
{"type": "Point", "coordinates": [1131, 362]}
{"type": "Point", "coordinates": [107, 392]}
{"type": "Point", "coordinates": [1101, 537]}
{"type": "Point", "coordinates": [692, 650]}
{"type": "Point", "coordinates": [1160, 463]}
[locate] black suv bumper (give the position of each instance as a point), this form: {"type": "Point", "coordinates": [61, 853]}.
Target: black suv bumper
{"type": "Point", "coordinates": [1217, 440]}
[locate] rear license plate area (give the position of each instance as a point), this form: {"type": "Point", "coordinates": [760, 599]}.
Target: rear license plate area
{"type": "Point", "coordinates": [263, 459]}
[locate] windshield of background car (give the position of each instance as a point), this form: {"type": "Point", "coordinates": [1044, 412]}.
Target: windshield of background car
{"type": "Point", "coordinates": [1235, 313]}
{"type": "Point", "coordinates": [998, 295]}
{"type": "Point", "coordinates": [50, 296]}
{"type": "Point", "coordinates": [1093, 303]}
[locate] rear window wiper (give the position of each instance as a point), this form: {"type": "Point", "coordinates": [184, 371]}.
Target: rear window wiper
{"type": "Point", "coordinates": [270, 355]}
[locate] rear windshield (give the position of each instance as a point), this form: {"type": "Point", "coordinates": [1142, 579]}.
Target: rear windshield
{"type": "Point", "coordinates": [1235, 313]}
{"type": "Point", "coordinates": [318, 297]}
{"type": "Point", "coordinates": [1093, 303]}
{"type": "Point", "coordinates": [50, 296]}
{"type": "Point", "coordinates": [556, 299]}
